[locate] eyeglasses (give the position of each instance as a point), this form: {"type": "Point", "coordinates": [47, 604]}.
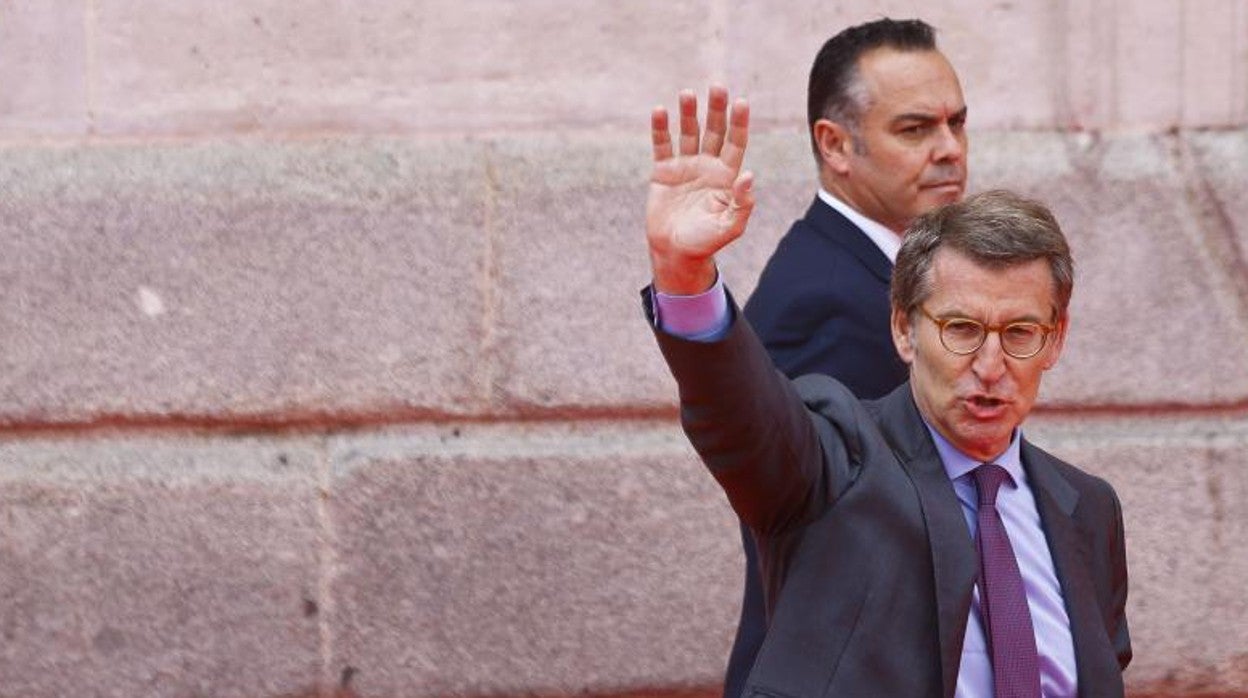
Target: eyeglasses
{"type": "Point", "coordinates": [962, 336]}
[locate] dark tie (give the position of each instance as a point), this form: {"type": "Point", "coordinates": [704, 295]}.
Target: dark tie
{"type": "Point", "coordinates": [1015, 669]}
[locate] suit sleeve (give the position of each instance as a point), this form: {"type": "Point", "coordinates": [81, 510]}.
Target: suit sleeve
{"type": "Point", "coordinates": [751, 429]}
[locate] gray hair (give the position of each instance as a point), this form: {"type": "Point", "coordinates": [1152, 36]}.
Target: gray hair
{"type": "Point", "coordinates": [996, 229]}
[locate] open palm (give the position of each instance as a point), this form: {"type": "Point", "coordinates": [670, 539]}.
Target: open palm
{"type": "Point", "coordinates": [699, 200]}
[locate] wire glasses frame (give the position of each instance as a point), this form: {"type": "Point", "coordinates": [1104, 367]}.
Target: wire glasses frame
{"type": "Point", "coordinates": [962, 336]}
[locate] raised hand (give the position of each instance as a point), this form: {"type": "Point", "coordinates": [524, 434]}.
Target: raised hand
{"type": "Point", "coordinates": [699, 199]}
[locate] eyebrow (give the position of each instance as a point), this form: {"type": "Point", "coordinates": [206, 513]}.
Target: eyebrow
{"type": "Point", "coordinates": [958, 315]}
{"type": "Point", "coordinates": [928, 117]}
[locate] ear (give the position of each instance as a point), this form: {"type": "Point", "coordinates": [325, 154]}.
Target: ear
{"type": "Point", "coordinates": [835, 145]}
{"type": "Point", "coordinates": [902, 335]}
{"type": "Point", "coordinates": [1057, 340]}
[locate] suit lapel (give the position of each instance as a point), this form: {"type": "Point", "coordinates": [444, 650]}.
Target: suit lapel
{"type": "Point", "coordinates": [1057, 502]}
{"type": "Point", "coordinates": [955, 563]}
{"type": "Point", "coordinates": [829, 222]}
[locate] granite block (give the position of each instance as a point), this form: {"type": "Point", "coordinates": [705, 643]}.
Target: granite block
{"type": "Point", "coordinates": [159, 567]}
{"type": "Point", "coordinates": [43, 68]}
{"type": "Point", "coordinates": [382, 67]}
{"type": "Point", "coordinates": [225, 281]}
{"type": "Point", "coordinates": [1183, 484]}
{"type": "Point", "coordinates": [529, 559]}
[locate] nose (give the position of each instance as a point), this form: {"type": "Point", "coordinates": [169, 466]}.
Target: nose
{"type": "Point", "coordinates": [989, 363]}
{"type": "Point", "coordinates": [950, 144]}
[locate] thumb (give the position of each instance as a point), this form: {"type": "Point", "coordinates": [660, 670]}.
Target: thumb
{"type": "Point", "coordinates": [742, 203]}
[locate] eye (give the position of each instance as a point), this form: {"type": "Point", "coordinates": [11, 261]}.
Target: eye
{"type": "Point", "coordinates": [1021, 332]}
{"type": "Point", "coordinates": [959, 329]}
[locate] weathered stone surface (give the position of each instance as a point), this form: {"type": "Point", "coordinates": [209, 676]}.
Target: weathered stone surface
{"type": "Point", "coordinates": [379, 66]}
{"type": "Point", "coordinates": [1083, 82]}
{"type": "Point", "coordinates": [1184, 491]}
{"type": "Point", "coordinates": [1146, 52]}
{"type": "Point", "coordinates": [1215, 59]}
{"type": "Point", "coordinates": [989, 43]}
{"type": "Point", "coordinates": [471, 559]}
{"type": "Point", "coordinates": [572, 258]}
{"type": "Point", "coordinates": [505, 559]}
{"type": "Point", "coordinates": [241, 280]}
{"type": "Point", "coordinates": [1094, 65]}
{"type": "Point", "coordinates": [384, 277]}
{"type": "Point", "coordinates": [427, 273]}
{"type": "Point", "coordinates": [546, 559]}
{"type": "Point", "coordinates": [569, 328]}
{"type": "Point", "coordinates": [128, 68]}
{"type": "Point", "coordinates": [1219, 171]}
{"type": "Point", "coordinates": [43, 65]}
{"type": "Point", "coordinates": [1156, 317]}
{"type": "Point", "coordinates": [150, 567]}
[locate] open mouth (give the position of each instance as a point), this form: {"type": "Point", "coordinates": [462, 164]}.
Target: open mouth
{"type": "Point", "coordinates": [986, 407]}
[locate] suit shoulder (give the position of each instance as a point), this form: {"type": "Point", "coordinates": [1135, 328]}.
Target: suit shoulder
{"type": "Point", "coordinates": [806, 262]}
{"type": "Point", "coordinates": [831, 400]}
{"type": "Point", "coordinates": [803, 273]}
{"type": "Point", "coordinates": [822, 393]}
{"type": "Point", "coordinates": [804, 236]}
{"type": "Point", "coordinates": [804, 247]}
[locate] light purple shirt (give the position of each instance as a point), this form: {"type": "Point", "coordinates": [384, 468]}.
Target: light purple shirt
{"type": "Point", "coordinates": [700, 318]}
{"type": "Point", "coordinates": [1017, 505]}
{"type": "Point", "coordinates": [705, 318]}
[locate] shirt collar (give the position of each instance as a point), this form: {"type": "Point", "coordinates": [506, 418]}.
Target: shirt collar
{"type": "Point", "coordinates": [885, 239]}
{"type": "Point", "coordinates": [958, 463]}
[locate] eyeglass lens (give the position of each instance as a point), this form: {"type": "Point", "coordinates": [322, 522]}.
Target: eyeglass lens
{"type": "Point", "coordinates": [1020, 339]}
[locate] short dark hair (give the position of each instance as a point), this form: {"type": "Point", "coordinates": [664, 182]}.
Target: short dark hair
{"type": "Point", "coordinates": [834, 91]}
{"type": "Point", "coordinates": [996, 229]}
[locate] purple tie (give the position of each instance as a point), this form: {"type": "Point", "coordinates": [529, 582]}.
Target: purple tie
{"type": "Point", "coordinates": [1002, 599]}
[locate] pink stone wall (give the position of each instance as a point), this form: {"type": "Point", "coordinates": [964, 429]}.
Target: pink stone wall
{"type": "Point", "coordinates": [321, 366]}
{"type": "Point", "coordinates": [140, 70]}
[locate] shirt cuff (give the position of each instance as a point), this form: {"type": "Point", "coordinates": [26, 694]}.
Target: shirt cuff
{"type": "Point", "coordinates": [703, 317]}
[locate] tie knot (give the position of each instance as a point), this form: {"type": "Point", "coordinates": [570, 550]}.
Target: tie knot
{"type": "Point", "coordinates": [988, 478]}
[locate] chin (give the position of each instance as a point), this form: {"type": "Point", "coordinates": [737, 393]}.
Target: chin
{"type": "Point", "coordinates": [985, 443]}
{"type": "Point", "coordinates": [942, 196]}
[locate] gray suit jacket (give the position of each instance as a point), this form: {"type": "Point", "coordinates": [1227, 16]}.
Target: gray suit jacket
{"type": "Point", "coordinates": [867, 561]}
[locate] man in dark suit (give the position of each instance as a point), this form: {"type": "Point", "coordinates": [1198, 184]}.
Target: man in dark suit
{"type": "Point", "coordinates": [886, 118]}
{"type": "Point", "coordinates": [915, 545]}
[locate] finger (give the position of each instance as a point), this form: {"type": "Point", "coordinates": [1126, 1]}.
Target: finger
{"type": "Point", "coordinates": [659, 136]}
{"type": "Point", "coordinates": [688, 123]}
{"type": "Point", "coordinates": [733, 152]}
{"type": "Point", "coordinates": [716, 120]}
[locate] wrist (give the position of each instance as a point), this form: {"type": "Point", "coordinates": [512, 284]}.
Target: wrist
{"type": "Point", "coordinates": [683, 277]}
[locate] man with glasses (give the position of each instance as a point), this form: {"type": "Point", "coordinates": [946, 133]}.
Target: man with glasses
{"type": "Point", "coordinates": [915, 545]}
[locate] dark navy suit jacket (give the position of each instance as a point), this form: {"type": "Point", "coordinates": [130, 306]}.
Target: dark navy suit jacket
{"type": "Point", "coordinates": [821, 306]}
